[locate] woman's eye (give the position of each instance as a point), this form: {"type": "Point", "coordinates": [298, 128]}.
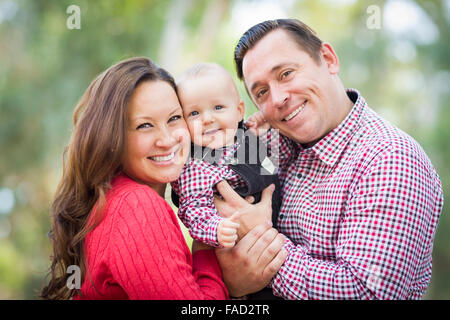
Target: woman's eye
{"type": "Point", "coordinates": [144, 126]}
{"type": "Point", "coordinates": [218, 107]}
{"type": "Point", "coordinates": [175, 118]}
{"type": "Point", "coordinates": [193, 113]}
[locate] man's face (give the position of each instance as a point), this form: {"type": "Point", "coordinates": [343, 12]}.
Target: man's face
{"type": "Point", "coordinates": [295, 93]}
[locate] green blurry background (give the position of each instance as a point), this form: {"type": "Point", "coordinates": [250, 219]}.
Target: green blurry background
{"type": "Point", "coordinates": [401, 67]}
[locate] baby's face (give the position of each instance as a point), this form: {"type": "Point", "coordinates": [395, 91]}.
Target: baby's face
{"type": "Point", "coordinates": [212, 110]}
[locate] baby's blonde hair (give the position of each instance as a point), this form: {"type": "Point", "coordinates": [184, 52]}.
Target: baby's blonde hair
{"type": "Point", "coordinates": [207, 68]}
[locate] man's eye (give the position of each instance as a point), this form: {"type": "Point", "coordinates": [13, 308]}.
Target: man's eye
{"type": "Point", "coordinates": [260, 93]}
{"type": "Point", "coordinates": [145, 125]}
{"type": "Point", "coordinates": [175, 118]}
{"type": "Point", "coordinates": [286, 73]}
{"type": "Point", "coordinates": [193, 114]}
{"type": "Point", "coordinates": [218, 107]}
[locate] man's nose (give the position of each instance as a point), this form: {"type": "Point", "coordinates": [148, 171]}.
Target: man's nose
{"type": "Point", "coordinates": [279, 96]}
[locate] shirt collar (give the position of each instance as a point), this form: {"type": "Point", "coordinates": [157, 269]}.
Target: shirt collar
{"type": "Point", "coordinates": [330, 147]}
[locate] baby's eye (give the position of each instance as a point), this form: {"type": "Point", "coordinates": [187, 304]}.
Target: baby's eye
{"type": "Point", "coordinates": [145, 125]}
{"type": "Point", "coordinates": [218, 107]}
{"type": "Point", "coordinates": [193, 114]}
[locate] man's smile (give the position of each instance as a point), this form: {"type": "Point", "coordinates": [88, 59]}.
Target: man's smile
{"type": "Point", "coordinates": [295, 112]}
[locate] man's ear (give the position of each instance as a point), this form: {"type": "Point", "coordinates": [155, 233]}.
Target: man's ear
{"type": "Point", "coordinates": [330, 58]}
{"type": "Point", "coordinates": [241, 109]}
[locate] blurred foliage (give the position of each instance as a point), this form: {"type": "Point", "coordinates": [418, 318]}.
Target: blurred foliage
{"type": "Point", "coordinates": [404, 74]}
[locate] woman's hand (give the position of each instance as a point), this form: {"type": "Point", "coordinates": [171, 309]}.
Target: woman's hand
{"type": "Point", "coordinates": [250, 215]}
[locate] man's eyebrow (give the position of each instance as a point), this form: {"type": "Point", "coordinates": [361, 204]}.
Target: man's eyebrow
{"type": "Point", "coordinates": [274, 69]}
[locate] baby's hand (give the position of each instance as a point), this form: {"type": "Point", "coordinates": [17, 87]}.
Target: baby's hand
{"type": "Point", "coordinates": [227, 232]}
{"type": "Point", "coordinates": [257, 124]}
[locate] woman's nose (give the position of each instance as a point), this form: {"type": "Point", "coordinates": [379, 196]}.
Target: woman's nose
{"type": "Point", "coordinates": [166, 139]}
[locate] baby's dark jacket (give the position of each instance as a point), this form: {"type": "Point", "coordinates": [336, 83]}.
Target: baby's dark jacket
{"type": "Point", "coordinates": [256, 177]}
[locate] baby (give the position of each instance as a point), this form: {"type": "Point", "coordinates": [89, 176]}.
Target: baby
{"type": "Point", "coordinates": [214, 115]}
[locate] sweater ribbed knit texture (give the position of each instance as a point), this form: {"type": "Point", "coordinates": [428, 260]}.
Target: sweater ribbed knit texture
{"type": "Point", "coordinates": [139, 252]}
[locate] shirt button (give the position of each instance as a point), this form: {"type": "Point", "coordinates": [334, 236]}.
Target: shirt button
{"type": "Point", "coordinates": [281, 216]}
{"type": "Point", "coordinates": [299, 175]}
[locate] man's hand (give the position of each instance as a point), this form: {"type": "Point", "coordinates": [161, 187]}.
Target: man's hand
{"type": "Point", "coordinates": [250, 215]}
{"type": "Point", "coordinates": [251, 264]}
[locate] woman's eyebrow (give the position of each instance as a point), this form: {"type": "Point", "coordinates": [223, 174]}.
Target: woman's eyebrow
{"type": "Point", "coordinates": [141, 118]}
{"type": "Point", "coordinates": [144, 117]}
{"type": "Point", "coordinates": [175, 110]}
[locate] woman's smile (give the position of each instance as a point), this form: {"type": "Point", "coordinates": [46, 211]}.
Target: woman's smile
{"type": "Point", "coordinates": [165, 158]}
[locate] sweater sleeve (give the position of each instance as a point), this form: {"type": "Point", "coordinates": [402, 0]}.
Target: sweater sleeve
{"type": "Point", "coordinates": [149, 257]}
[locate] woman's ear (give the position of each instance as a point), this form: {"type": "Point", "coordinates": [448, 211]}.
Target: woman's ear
{"type": "Point", "coordinates": [330, 58]}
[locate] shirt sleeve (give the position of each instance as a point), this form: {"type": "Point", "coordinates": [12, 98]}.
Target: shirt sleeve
{"type": "Point", "coordinates": [197, 210]}
{"type": "Point", "coordinates": [385, 238]}
{"type": "Point", "coordinates": [149, 258]}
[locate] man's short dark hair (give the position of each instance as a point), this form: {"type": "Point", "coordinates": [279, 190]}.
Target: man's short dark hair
{"type": "Point", "coordinates": [300, 32]}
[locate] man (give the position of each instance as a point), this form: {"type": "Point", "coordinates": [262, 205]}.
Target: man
{"type": "Point", "coordinates": [361, 200]}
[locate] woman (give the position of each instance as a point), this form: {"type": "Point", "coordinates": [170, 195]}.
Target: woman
{"type": "Point", "coordinates": [109, 216]}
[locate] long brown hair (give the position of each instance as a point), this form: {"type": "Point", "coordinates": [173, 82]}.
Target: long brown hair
{"type": "Point", "coordinates": [91, 160]}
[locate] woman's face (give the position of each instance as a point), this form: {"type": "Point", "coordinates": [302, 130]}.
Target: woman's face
{"type": "Point", "coordinates": [157, 139]}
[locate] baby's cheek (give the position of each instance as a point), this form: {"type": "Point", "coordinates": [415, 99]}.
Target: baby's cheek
{"type": "Point", "coordinates": [195, 132]}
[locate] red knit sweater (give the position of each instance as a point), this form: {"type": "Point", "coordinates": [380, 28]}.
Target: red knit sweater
{"type": "Point", "coordinates": [138, 252]}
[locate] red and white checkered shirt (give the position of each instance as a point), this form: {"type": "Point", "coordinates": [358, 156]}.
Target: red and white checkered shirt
{"type": "Point", "coordinates": [360, 210]}
{"type": "Point", "coordinates": [196, 187]}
